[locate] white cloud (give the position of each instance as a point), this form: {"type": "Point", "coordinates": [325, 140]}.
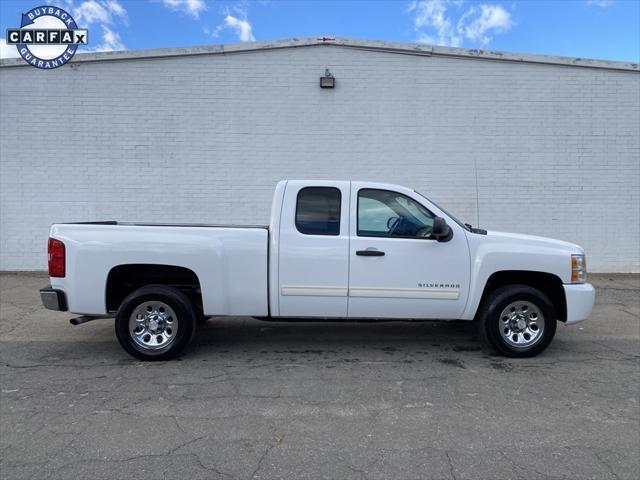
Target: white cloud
{"type": "Point", "coordinates": [116, 8]}
{"type": "Point", "coordinates": [8, 51]}
{"type": "Point", "coordinates": [600, 3]}
{"type": "Point", "coordinates": [241, 27]}
{"type": "Point", "coordinates": [190, 7]}
{"type": "Point", "coordinates": [90, 12]}
{"type": "Point", "coordinates": [110, 41]}
{"type": "Point", "coordinates": [426, 39]}
{"type": "Point", "coordinates": [435, 22]}
{"type": "Point", "coordinates": [483, 21]}
{"type": "Point", "coordinates": [94, 11]}
{"type": "Point", "coordinates": [432, 15]}
{"type": "Point", "coordinates": [103, 14]}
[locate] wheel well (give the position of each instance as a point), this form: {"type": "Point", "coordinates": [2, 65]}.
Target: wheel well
{"type": "Point", "coordinates": [124, 279]}
{"type": "Point", "coordinates": [547, 283]}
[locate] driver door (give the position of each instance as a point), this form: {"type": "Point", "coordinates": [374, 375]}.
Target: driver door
{"type": "Point", "coordinates": [395, 269]}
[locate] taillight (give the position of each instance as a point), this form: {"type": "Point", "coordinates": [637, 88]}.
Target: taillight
{"type": "Point", "coordinates": [56, 258]}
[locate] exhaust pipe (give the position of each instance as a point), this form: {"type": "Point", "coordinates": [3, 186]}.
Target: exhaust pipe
{"type": "Point", "coordinates": [84, 319]}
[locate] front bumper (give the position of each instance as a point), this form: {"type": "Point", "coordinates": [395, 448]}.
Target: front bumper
{"type": "Point", "coordinates": [53, 299]}
{"type": "Point", "coordinates": [580, 298]}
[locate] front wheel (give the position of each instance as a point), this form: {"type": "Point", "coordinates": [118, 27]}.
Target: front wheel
{"type": "Point", "coordinates": [517, 321]}
{"type": "Point", "coordinates": [155, 322]}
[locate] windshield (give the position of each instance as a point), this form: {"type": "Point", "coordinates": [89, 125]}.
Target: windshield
{"type": "Point", "coordinates": [463, 225]}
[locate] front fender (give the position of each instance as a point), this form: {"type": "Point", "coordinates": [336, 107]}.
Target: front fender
{"type": "Point", "coordinates": [490, 257]}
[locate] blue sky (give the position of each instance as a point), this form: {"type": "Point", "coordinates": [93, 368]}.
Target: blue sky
{"type": "Point", "coordinates": [606, 29]}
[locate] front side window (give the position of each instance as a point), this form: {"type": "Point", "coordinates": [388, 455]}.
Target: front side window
{"type": "Point", "coordinates": [318, 211]}
{"type": "Point", "coordinates": [383, 213]}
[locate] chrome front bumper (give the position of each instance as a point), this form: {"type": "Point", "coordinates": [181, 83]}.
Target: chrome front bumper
{"type": "Point", "coordinates": [53, 299]}
{"type": "Point", "coordinates": [580, 299]}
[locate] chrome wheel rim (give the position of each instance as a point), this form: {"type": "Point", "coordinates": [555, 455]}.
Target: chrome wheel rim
{"type": "Point", "coordinates": [521, 324]}
{"type": "Point", "coordinates": [153, 325]}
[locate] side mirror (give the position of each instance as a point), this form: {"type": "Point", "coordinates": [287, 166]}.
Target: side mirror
{"type": "Point", "coordinates": [441, 231]}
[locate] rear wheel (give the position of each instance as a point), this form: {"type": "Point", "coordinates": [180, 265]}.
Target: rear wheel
{"type": "Point", "coordinates": [155, 322]}
{"type": "Point", "coordinates": [517, 321]}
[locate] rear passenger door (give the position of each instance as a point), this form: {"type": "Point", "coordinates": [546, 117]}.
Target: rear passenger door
{"type": "Point", "coordinates": [314, 250]}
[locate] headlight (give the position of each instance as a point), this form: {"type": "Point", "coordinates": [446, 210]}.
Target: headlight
{"type": "Point", "coordinates": [578, 269]}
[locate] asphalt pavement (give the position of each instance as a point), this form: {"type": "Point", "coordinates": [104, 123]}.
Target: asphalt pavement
{"type": "Point", "coordinates": [296, 400]}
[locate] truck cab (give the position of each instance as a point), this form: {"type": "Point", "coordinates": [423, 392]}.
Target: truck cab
{"type": "Point", "coordinates": [332, 250]}
{"type": "Point", "coordinates": [363, 250]}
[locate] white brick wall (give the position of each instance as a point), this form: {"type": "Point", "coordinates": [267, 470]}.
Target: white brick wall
{"type": "Point", "coordinates": [542, 149]}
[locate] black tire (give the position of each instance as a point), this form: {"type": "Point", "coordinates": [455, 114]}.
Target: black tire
{"type": "Point", "coordinates": [185, 322]}
{"type": "Point", "coordinates": [490, 322]}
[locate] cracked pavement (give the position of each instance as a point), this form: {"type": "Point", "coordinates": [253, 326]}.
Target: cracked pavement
{"type": "Point", "coordinates": [296, 400]}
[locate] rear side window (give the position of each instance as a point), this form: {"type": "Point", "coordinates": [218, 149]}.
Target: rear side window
{"type": "Point", "coordinates": [318, 211]}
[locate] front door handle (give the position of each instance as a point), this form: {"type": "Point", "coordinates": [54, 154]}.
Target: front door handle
{"type": "Point", "coordinates": [369, 253]}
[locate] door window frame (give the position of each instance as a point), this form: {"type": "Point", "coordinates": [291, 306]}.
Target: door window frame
{"type": "Point", "coordinates": [386, 235]}
{"type": "Point", "coordinates": [295, 215]}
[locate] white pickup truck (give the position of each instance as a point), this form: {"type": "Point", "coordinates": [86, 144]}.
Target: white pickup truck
{"type": "Point", "coordinates": [333, 249]}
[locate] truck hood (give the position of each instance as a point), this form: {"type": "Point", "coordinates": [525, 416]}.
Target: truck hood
{"type": "Point", "coordinates": [522, 239]}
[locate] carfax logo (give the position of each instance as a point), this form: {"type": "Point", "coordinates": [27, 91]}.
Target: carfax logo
{"type": "Point", "coordinates": [48, 37]}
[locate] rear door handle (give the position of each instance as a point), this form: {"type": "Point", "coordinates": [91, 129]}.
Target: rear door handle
{"type": "Point", "coordinates": [369, 253]}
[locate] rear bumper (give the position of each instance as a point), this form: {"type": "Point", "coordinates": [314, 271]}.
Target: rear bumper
{"type": "Point", "coordinates": [580, 298]}
{"type": "Point", "coordinates": [53, 299]}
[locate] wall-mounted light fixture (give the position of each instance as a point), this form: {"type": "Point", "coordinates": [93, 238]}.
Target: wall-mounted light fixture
{"type": "Point", "coordinates": [328, 80]}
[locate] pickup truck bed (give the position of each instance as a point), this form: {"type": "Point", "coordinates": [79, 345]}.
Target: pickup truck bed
{"type": "Point", "coordinates": [230, 262]}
